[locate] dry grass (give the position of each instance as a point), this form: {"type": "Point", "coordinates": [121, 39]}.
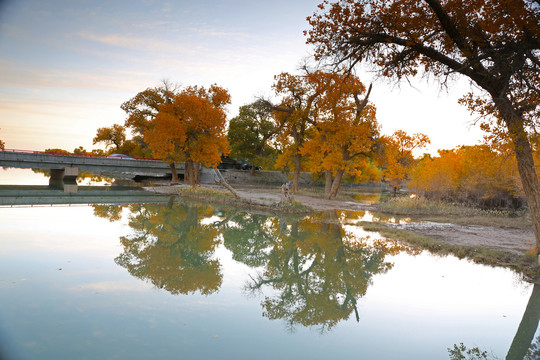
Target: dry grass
{"type": "Point", "coordinates": [439, 211]}
{"type": "Point", "coordinates": [213, 195]}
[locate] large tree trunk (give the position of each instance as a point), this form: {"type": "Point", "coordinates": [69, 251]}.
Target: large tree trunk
{"type": "Point", "coordinates": [336, 183]}
{"type": "Point", "coordinates": [189, 172]}
{"type": "Point", "coordinates": [525, 162]}
{"type": "Point", "coordinates": [296, 174]}
{"type": "Point", "coordinates": [327, 183]}
{"type": "Point", "coordinates": [196, 171]}
{"type": "Point", "coordinates": [174, 173]}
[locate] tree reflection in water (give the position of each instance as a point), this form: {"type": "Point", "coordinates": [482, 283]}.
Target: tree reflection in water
{"type": "Point", "coordinates": [171, 248]}
{"type": "Point", "coordinates": [318, 269]}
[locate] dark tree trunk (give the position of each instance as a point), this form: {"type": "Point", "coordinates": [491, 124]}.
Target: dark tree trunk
{"type": "Point", "coordinates": [189, 172]}
{"type": "Point", "coordinates": [174, 173]}
{"type": "Point", "coordinates": [196, 170]}
{"type": "Point", "coordinates": [327, 183]}
{"type": "Point", "coordinates": [336, 183]}
{"type": "Point", "coordinates": [525, 162]}
{"type": "Point", "coordinates": [296, 174]}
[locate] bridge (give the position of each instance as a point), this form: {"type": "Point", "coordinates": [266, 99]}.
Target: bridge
{"type": "Point", "coordinates": [65, 167]}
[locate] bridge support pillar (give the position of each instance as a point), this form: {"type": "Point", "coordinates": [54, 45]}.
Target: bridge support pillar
{"type": "Point", "coordinates": [64, 179]}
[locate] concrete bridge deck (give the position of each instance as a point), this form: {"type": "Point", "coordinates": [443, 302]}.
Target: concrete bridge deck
{"type": "Point", "coordinates": [92, 164]}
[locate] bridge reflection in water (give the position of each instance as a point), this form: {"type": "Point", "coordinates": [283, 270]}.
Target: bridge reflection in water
{"type": "Point", "coordinates": [30, 195]}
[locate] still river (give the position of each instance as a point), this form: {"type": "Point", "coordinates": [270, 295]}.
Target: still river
{"type": "Point", "coordinates": [176, 280]}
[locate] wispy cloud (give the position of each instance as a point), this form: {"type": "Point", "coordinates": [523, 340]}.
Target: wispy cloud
{"type": "Point", "coordinates": [147, 44]}
{"type": "Point", "coordinates": [13, 75]}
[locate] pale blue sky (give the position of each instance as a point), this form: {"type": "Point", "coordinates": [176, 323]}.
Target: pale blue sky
{"type": "Point", "coordinates": [67, 66]}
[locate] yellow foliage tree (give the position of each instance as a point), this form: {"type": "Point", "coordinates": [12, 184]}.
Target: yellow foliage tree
{"type": "Point", "coordinates": [475, 174]}
{"type": "Point", "coordinates": [191, 127]}
{"type": "Point", "coordinates": [295, 116]}
{"type": "Point", "coordinates": [344, 131]}
{"type": "Point", "coordinates": [397, 156]}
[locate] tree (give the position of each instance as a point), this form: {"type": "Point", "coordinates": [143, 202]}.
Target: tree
{"type": "Point", "coordinates": [111, 136]}
{"type": "Point", "coordinates": [295, 115]}
{"type": "Point", "coordinates": [345, 131]}
{"type": "Point", "coordinates": [495, 44]}
{"type": "Point", "coordinates": [191, 128]}
{"type": "Point", "coordinates": [397, 155]}
{"type": "Point", "coordinates": [250, 134]}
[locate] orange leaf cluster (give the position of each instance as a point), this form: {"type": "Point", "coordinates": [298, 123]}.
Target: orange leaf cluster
{"type": "Point", "coordinates": [397, 155]}
{"type": "Point", "coordinates": [469, 173]}
{"type": "Point", "coordinates": [191, 127]}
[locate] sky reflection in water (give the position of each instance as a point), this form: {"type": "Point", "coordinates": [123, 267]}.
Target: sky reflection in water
{"type": "Point", "coordinates": [176, 280]}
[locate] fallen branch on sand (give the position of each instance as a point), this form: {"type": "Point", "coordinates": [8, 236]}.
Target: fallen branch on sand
{"type": "Point", "coordinates": [220, 180]}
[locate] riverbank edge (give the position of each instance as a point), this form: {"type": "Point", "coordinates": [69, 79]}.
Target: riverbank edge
{"type": "Point", "coordinates": [523, 264]}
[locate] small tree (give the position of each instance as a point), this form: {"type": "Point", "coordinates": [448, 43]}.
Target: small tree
{"type": "Point", "coordinates": [111, 136]}
{"type": "Point", "coordinates": [250, 135]}
{"type": "Point", "coordinates": [397, 156]}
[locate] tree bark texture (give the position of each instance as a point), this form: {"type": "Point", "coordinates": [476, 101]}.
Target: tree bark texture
{"type": "Point", "coordinates": [336, 183]}
{"type": "Point", "coordinates": [174, 173]}
{"type": "Point", "coordinates": [189, 173]}
{"type": "Point", "coordinates": [296, 174]}
{"type": "Point", "coordinates": [327, 183]}
{"type": "Point", "coordinates": [525, 162]}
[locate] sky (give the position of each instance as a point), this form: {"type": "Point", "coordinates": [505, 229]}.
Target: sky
{"type": "Point", "coordinates": [67, 66]}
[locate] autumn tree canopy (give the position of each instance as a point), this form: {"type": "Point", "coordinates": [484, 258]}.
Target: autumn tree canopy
{"type": "Point", "coordinates": [111, 136]}
{"type": "Point", "coordinates": [475, 175]}
{"type": "Point", "coordinates": [344, 131]}
{"type": "Point", "coordinates": [493, 43]}
{"type": "Point", "coordinates": [191, 127]}
{"type": "Point", "coordinates": [294, 116]}
{"type": "Point", "coordinates": [397, 156]}
{"type": "Point", "coordinates": [324, 125]}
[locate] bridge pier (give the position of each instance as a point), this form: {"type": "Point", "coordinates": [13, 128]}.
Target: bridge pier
{"type": "Point", "coordinates": [64, 179]}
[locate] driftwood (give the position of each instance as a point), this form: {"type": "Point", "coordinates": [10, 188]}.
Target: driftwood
{"type": "Point", "coordinates": [220, 180]}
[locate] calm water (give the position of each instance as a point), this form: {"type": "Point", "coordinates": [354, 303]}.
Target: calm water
{"type": "Point", "coordinates": [175, 280]}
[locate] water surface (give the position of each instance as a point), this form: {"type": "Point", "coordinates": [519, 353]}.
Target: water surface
{"type": "Point", "coordinates": [180, 280]}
